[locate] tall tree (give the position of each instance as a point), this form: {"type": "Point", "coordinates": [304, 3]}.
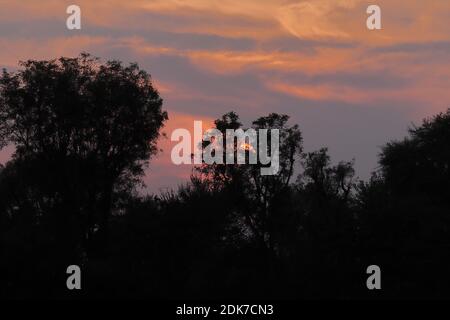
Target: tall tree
{"type": "Point", "coordinates": [256, 196]}
{"type": "Point", "coordinates": [88, 126]}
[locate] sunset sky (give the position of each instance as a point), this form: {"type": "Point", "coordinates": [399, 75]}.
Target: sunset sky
{"type": "Point", "coordinates": [348, 88]}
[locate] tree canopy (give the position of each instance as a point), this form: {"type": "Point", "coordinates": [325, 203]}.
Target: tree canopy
{"type": "Point", "coordinates": [81, 128]}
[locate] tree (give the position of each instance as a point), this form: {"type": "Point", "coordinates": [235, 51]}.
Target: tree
{"type": "Point", "coordinates": [326, 193]}
{"type": "Point", "coordinates": [255, 197]}
{"type": "Point", "coordinates": [403, 210]}
{"type": "Point", "coordinates": [88, 126]}
{"type": "Point", "coordinates": [325, 180]}
{"type": "Point", "coordinates": [421, 162]}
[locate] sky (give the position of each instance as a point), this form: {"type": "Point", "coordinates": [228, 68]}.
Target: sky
{"type": "Point", "coordinates": [349, 88]}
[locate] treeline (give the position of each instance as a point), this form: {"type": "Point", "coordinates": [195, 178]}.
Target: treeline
{"type": "Point", "coordinates": [84, 132]}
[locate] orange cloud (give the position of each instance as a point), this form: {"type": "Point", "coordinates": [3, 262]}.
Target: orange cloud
{"type": "Point", "coordinates": [314, 19]}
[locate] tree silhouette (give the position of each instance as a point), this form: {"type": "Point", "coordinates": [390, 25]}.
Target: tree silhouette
{"type": "Point", "coordinates": [81, 128]}
{"type": "Point", "coordinates": [404, 209]}
{"type": "Point", "coordinates": [255, 195]}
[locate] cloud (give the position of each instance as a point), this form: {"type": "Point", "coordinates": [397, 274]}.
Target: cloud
{"type": "Point", "coordinates": [314, 19]}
